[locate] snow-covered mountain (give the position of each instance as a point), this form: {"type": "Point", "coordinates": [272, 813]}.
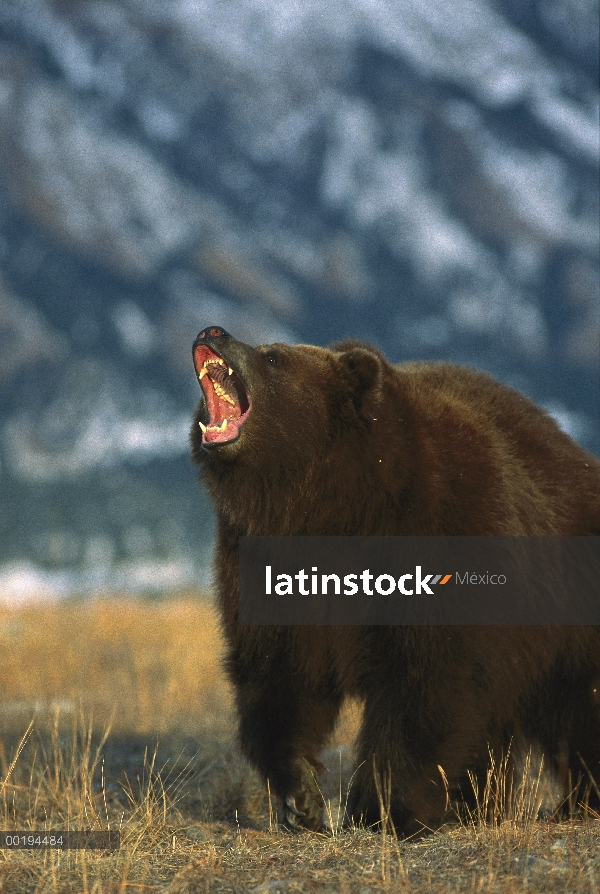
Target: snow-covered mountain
{"type": "Point", "coordinates": [420, 174]}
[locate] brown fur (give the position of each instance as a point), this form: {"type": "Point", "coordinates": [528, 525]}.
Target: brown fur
{"type": "Point", "coordinates": [340, 442]}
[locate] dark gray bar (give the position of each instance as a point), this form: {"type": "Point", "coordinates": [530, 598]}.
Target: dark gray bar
{"type": "Point", "coordinates": [390, 580]}
{"type": "Point", "coordinates": [58, 840]}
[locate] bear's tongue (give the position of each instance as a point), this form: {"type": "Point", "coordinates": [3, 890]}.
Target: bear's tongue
{"type": "Point", "coordinates": [226, 399]}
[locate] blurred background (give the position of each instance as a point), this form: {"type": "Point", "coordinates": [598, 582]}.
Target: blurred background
{"type": "Point", "coordinates": [418, 173]}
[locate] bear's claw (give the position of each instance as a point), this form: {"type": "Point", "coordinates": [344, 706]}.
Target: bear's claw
{"type": "Point", "coordinates": [291, 813]}
{"type": "Point", "coordinates": [291, 803]}
{"type": "Point", "coordinates": [304, 811]}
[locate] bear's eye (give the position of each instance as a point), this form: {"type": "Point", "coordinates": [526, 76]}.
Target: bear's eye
{"type": "Point", "coordinates": [272, 357]}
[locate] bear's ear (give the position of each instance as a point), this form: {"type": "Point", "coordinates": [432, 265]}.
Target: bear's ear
{"type": "Point", "coordinates": [362, 369]}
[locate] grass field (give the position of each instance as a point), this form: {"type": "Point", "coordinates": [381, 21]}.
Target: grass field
{"type": "Point", "coordinates": [115, 715]}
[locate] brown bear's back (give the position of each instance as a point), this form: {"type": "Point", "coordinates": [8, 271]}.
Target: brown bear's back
{"type": "Point", "coordinates": [465, 419]}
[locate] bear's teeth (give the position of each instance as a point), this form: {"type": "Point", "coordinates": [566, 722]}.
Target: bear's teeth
{"type": "Point", "coordinates": [223, 394]}
{"type": "Point", "coordinates": [229, 370]}
{"type": "Point", "coordinates": [216, 428]}
{"type": "Point", "coordinates": [203, 372]}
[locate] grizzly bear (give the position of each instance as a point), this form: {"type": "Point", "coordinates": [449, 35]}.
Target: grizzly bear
{"type": "Point", "coordinates": [304, 440]}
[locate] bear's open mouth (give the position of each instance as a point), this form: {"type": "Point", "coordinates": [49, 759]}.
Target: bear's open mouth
{"type": "Point", "coordinates": [227, 401]}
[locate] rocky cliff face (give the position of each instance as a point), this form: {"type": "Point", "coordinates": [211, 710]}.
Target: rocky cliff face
{"type": "Point", "coordinates": [420, 174]}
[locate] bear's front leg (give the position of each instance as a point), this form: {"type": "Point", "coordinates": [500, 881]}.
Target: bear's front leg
{"type": "Point", "coordinates": [414, 756]}
{"type": "Point", "coordinates": [286, 714]}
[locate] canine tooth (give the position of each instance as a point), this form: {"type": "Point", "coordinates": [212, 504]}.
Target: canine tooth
{"type": "Point", "coordinates": [203, 372]}
{"type": "Point", "coordinates": [229, 370]}
{"type": "Point", "coordinates": [223, 425]}
{"type": "Point", "coordinates": [203, 427]}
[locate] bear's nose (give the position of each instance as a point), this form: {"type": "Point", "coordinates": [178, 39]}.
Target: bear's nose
{"type": "Point", "coordinates": [212, 332]}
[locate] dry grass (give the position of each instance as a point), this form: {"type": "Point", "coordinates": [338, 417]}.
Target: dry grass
{"type": "Point", "coordinates": [114, 714]}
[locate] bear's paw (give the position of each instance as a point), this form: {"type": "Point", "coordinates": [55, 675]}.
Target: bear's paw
{"type": "Point", "coordinates": [303, 810]}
